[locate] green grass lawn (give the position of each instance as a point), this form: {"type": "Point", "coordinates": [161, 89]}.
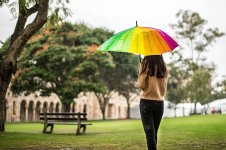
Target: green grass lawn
{"type": "Point", "coordinates": [187, 133]}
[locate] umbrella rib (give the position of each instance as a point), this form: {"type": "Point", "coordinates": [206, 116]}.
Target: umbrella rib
{"type": "Point", "coordinates": [126, 35]}
{"type": "Point", "coordinates": [160, 41]}
{"type": "Point", "coordinates": [120, 34]}
{"type": "Point", "coordinates": [169, 39]}
{"type": "Point", "coordinates": [137, 44]}
{"type": "Point", "coordinates": [150, 41]}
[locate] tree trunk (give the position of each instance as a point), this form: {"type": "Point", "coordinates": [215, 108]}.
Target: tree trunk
{"type": "Point", "coordinates": [195, 111]}
{"type": "Point", "coordinates": [66, 107]}
{"type": "Point", "coordinates": [128, 101]}
{"type": "Point", "coordinates": [3, 114]}
{"type": "Point", "coordinates": [103, 100]}
{"type": "Point", "coordinates": [175, 114]}
{"type": "Point", "coordinates": [206, 109]}
{"type": "Point", "coordinates": [103, 113]}
{"type": "Point", "coordinates": [17, 42]}
{"type": "Point", "coordinates": [6, 72]}
{"type": "Point", "coordinates": [128, 110]}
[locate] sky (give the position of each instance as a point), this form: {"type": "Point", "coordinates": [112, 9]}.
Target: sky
{"type": "Point", "coordinates": [118, 15]}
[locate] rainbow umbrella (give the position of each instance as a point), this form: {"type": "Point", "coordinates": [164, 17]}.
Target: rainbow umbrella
{"type": "Point", "coordinates": [140, 40]}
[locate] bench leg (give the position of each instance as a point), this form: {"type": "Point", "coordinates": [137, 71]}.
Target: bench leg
{"type": "Point", "coordinates": [46, 127]}
{"type": "Point", "coordinates": [78, 130]}
{"type": "Point", "coordinates": [51, 128]}
{"type": "Point", "coordinates": [84, 128]}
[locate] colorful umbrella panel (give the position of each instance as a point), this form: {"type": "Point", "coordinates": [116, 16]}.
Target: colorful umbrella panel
{"type": "Point", "coordinates": [140, 40]}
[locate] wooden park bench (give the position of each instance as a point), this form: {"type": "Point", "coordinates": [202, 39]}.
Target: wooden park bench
{"type": "Point", "coordinates": [77, 119]}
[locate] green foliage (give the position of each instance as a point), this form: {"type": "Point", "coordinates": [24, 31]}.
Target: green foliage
{"type": "Point", "coordinates": [81, 34]}
{"type": "Point", "coordinates": [176, 92]}
{"type": "Point", "coordinates": [189, 25]}
{"type": "Point", "coordinates": [59, 11]}
{"type": "Point", "coordinates": [62, 70]}
{"type": "Point", "coordinates": [49, 64]}
{"type": "Point", "coordinates": [199, 88]}
{"type": "Point", "coordinates": [219, 91]}
{"type": "Point", "coordinates": [125, 73]}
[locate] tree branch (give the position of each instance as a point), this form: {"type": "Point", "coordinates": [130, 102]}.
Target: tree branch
{"type": "Point", "coordinates": [32, 28]}
{"type": "Point", "coordinates": [39, 21]}
{"type": "Point", "coordinates": [24, 13]}
{"type": "Point", "coordinates": [22, 19]}
{"type": "Point", "coordinates": [32, 10]}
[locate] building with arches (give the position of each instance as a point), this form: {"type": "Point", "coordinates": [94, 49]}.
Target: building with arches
{"type": "Point", "coordinates": [27, 108]}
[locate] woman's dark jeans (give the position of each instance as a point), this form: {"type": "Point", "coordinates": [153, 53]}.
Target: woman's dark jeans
{"type": "Point", "coordinates": [151, 114]}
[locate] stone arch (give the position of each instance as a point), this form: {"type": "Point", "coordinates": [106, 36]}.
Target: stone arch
{"type": "Point", "coordinates": [85, 108]}
{"type": "Point", "coordinates": [57, 107]}
{"type": "Point", "coordinates": [37, 110]}
{"type": "Point", "coordinates": [30, 110]}
{"type": "Point", "coordinates": [14, 107]}
{"type": "Point", "coordinates": [73, 107]}
{"type": "Point", "coordinates": [110, 110]}
{"type": "Point", "coordinates": [45, 107]}
{"type": "Point", "coordinates": [51, 107]}
{"type": "Point", "coordinates": [23, 106]}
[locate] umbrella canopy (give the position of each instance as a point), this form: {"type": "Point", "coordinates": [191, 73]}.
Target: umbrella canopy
{"type": "Point", "coordinates": [140, 40]}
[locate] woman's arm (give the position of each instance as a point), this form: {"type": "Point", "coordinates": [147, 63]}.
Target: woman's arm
{"type": "Point", "coordinates": [141, 81]}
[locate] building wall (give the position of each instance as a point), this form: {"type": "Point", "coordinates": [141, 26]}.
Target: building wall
{"type": "Point", "coordinates": [27, 108]}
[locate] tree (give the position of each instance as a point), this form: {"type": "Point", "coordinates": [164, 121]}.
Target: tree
{"type": "Point", "coordinates": [125, 75]}
{"type": "Point", "coordinates": [51, 63]}
{"type": "Point", "coordinates": [106, 81]}
{"type": "Point", "coordinates": [85, 35]}
{"type": "Point", "coordinates": [60, 70]}
{"type": "Point", "coordinates": [191, 29]}
{"type": "Point", "coordinates": [176, 92]}
{"type": "Point", "coordinates": [94, 37]}
{"type": "Point", "coordinates": [21, 35]}
{"type": "Point", "coordinates": [119, 79]}
{"type": "Point", "coordinates": [201, 80]}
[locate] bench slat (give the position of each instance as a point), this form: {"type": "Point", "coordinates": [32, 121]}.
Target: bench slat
{"type": "Point", "coordinates": [63, 119]}
{"type": "Point", "coordinates": [63, 114]}
{"type": "Point", "coordinates": [68, 123]}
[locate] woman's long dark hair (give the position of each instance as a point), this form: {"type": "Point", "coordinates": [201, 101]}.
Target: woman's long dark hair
{"type": "Point", "coordinates": [154, 65]}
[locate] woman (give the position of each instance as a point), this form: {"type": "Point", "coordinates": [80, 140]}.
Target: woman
{"type": "Point", "coordinates": [152, 81]}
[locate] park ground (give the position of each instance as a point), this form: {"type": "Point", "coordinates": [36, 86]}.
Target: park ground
{"type": "Point", "coordinates": [184, 133]}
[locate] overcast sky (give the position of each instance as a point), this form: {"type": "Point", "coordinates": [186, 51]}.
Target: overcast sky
{"type": "Point", "coordinates": [118, 15]}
